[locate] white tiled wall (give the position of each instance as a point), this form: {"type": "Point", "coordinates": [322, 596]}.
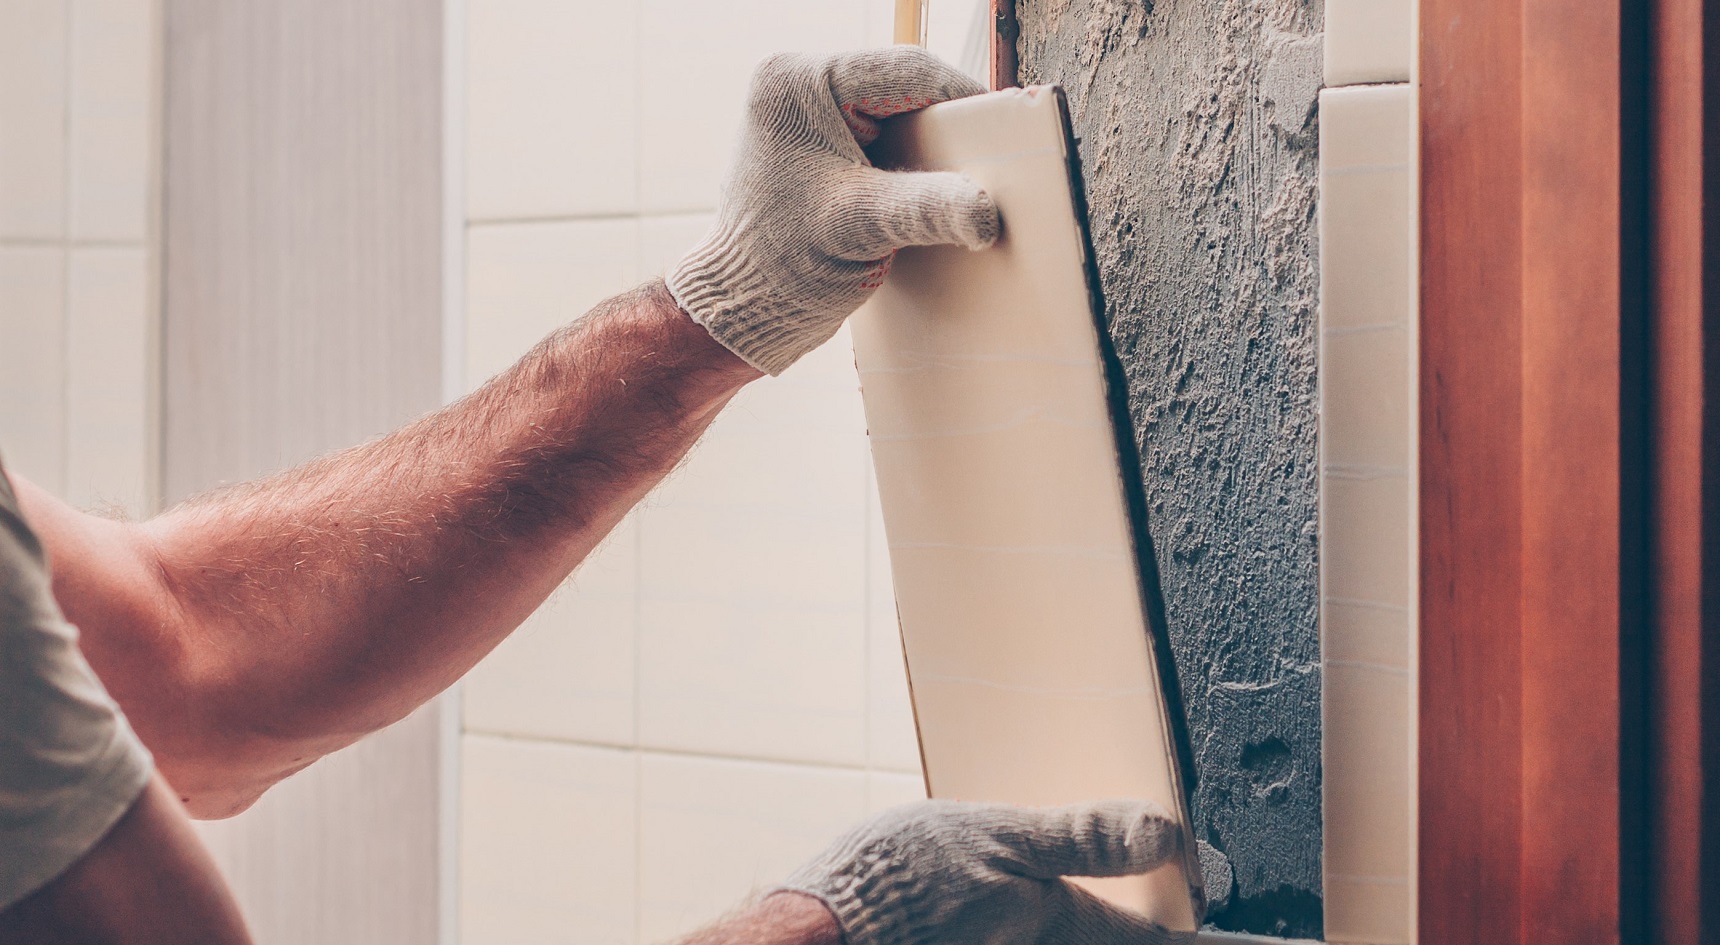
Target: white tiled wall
{"type": "Point", "coordinates": [719, 692]}
{"type": "Point", "coordinates": [1368, 428]}
{"type": "Point", "coordinates": [77, 105]}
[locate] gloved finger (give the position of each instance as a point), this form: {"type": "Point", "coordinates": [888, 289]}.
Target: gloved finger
{"type": "Point", "coordinates": [880, 212]}
{"type": "Point", "coordinates": [1108, 838]}
{"type": "Point", "coordinates": [1089, 920]}
{"type": "Point", "coordinates": [877, 83]}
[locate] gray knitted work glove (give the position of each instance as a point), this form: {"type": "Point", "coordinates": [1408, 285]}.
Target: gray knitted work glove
{"type": "Point", "coordinates": [952, 873]}
{"type": "Point", "coordinates": [807, 226]}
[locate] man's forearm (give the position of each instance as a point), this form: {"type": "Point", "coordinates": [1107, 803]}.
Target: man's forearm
{"type": "Point", "coordinates": [781, 918]}
{"type": "Point", "coordinates": [305, 610]}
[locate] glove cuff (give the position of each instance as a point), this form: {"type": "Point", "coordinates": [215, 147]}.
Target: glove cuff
{"type": "Point", "coordinates": [874, 901]}
{"type": "Point", "coordinates": [724, 292]}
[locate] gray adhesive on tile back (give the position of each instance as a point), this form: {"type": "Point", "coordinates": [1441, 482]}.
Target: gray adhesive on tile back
{"type": "Point", "coordinates": [1198, 130]}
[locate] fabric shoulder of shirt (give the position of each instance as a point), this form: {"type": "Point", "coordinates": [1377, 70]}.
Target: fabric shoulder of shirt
{"type": "Point", "coordinates": [70, 764]}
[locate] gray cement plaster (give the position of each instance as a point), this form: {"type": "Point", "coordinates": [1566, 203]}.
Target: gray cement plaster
{"type": "Point", "coordinates": [1198, 128]}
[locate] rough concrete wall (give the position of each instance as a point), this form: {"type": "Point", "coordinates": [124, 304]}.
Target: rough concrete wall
{"type": "Point", "coordinates": [1197, 126]}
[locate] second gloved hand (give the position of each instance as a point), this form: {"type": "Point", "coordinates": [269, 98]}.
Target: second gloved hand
{"type": "Point", "coordinates": [951, 873]}
{"type": "Point", "coordinates": [807, 226]}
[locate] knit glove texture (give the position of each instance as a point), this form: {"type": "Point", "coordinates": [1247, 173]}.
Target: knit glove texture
{"type": "Point", "coordinates": [956, 873]}
{"type": "Point", "coordinates": [807, 226]}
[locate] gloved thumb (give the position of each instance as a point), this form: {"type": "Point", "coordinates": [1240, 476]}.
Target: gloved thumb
{"type": "Point", "coordinates": [1107, 838]}
{"type": "Point", "coordinates": [887, 210]}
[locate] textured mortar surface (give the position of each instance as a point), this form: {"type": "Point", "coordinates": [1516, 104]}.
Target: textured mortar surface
{"type": "Point", "coordinates": [1197, 126]}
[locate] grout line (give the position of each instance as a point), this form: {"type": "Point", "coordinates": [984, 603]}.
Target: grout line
{"type": "Point", "coordinates": [34, 242]}
{"type": "Point", "coordinates": [689, 753]}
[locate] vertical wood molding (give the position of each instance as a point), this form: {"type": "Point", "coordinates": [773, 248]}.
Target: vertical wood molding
{"type": "Point", "coordinates": [1469, 776]}
{"type": "Point", "coordinates": [1530, 502]}
{"type": "Point", "coordinates": [1685, 672]}
{"type": "Point", "coordinates": [302, 312]}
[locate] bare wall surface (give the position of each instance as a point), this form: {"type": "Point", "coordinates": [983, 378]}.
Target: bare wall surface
{"type": "Point", "coordinates": [1197, 126]}
{"type": "Point", "coordinates": [302, 241]}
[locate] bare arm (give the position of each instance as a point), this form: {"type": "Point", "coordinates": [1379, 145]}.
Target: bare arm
{"type": "Point", "coordinates": [781, 918]}
{"type": "Point", "coordinates": [148, 882]}
{"type": "Point", "coordinates": [248, 632]}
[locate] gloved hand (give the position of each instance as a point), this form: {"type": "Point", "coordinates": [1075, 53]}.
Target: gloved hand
{"type": "Point", "coordinates": [951, 873]}
{"type": "Point", "coordinates": [807, 227]}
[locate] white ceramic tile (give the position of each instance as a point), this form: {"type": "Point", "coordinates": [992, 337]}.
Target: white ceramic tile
{"type": "Point", "coordinates": [550, 108]}
{"type": "Point", "coordinates": [958, 32]}
{"type": "Point", "coordinates": [752, 581]}
{"type": "Point", "coordinates": [112, 81]}
{"type": "Point", "coordinates": [1364, 398]}
{"type": "Point", "coordinates": [1365, 634]}
{"type": "Point", "coordinates": [108, 384]}
{"type": "Point", "coordinates": [524, 280]}
{"type": "Point", "coordinates": [567, 673]}
{"type": "Point", "coordinates": [1369, 41]}
{"type": "Point", "coordinates": [547, 844]}
{"type": "Point", "coordinates": [1364, 521]}
{"type": "Point", "coordinates": [1367, 781]}
{"type": "Point", "coordinates": [693, 83]}
{"type": "Point", "coordinates": [1366, 206]}
{"type": "Point", "coordinates": [880, 21]}
{"type": "Point", "coordinates": [33, 118]}
{"type": "Point", "coordinates": [32, 363]}
{"type": "Point", "coordinates": [892, 741]}
{"type": "Point", "coordinates": [1367, 126]}
{"type": "Point", "coordinates": [886, 789]}
{"type": "Point", "coordinates": [664, 240]}
{"type": "Point", "coordinates": [714, 831]}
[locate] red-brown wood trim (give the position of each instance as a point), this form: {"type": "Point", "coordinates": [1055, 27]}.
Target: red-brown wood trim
{"type": "Point", "coordinates": [1571, 344]}
{"type": "Point", "coordinates": [1470, 789]}
{"type": "Point", "coordinates": [1004, 32]}
{"type": "Point", "coordinates": [1522, 479]}
{"type": "Point", "coordinates": [1685, 820]}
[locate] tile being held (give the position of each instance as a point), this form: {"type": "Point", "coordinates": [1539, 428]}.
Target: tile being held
{"type": "Point", "coordinates": [568, 672]}
{"type": "Point", "coordinates": [525, 280]}
{"type": "Point", "coordinates": [548, 847]}
{"type": "Point", "coordinates": [112, 81]}
{"type": "Point", "coordinates": [712, 831]}
{"type": "Point", "coordinates": [33, 364]}
{"type": "Point", "coordinates": [551, 122]}
{"type": "Point", "coordinates": [108, 381]}
{"type": "Point", "coordinates": [33, 104]}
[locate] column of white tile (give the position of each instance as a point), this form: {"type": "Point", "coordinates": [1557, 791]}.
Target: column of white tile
{"type": "Point", "coordinates": [1367, 378]}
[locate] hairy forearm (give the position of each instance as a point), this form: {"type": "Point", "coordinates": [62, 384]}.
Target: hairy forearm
{"type": "Point", "coordinates": [311, 608]}
{"type": "Point", "coordinates": [781, 918]}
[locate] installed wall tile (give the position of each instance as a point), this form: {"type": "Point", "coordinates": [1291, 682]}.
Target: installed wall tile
{"type": "Point", "coordinates": [664, 240]}
{"type": "Point", "coordinates": [1369, 41]}
{"type": "Point", "coordinates": [1367, 778]}
{"type": "Point", "coordinates": [752, 581]}
{"type": "Point", "coordinates": [32, 363]}
{"type": "Point", "coordinates": [1365, 397]}
{"type": "Point", "coordinates": [547, 844]}
{"type": "Point", "coordinates": [524, 280]}
{"type": "Point", "coordinates": [714, 831]}
{"type": "Point", "coordinates": [687, 128]}
{"type": "Point", "coordinates": [1367, 371]}
{"type": "Point", "coordinates": [887, 789]}
{"type": "Point", "coordinates": [33, 37]}
{"type": "Point", "coordinates": [567, 673]}
{"type": "Point", "coordinates": [109, 349]}
{"type": "Point", "coordinates": [112, 78]}
{"type": "Point", "coordinates": [551, 115]}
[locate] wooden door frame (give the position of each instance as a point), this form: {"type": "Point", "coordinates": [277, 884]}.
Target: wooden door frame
{"type": "Point", "coordinates": [1567, 463]}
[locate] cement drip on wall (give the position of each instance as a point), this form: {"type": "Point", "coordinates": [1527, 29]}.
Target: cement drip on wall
{"type": "Point", "coordinates": [1198, 128]}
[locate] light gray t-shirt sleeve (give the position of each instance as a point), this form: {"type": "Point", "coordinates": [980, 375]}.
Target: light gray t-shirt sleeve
{"type": "Point", "coordinates": [70, 765]}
